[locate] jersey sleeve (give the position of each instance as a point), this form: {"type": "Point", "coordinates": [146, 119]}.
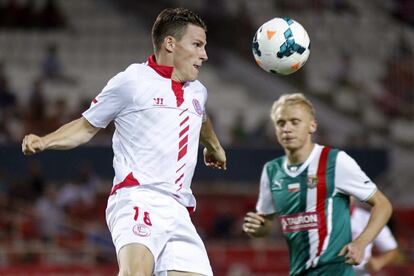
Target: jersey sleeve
{"type": "Point", "coordinates": [113, 99]}
{"type": "Point", "coordinates": [351, 180]}
{"type": "Point", "coordinates": [265, 204]}
{"type": "Point", "coordinates": [205, 96]}
{"type": "Point", "coordinates": [385, 241]}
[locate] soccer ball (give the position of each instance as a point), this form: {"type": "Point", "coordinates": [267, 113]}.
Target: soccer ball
{"type": "Point", "coordinates": [281, 45]}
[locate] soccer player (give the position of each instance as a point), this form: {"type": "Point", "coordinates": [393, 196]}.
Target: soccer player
{"type": "Point", "coordinates": [159, 112]}
{"type": "Point", "coordinates": [308, 189]}
{"type": "Point", "coordinates": [385, 244]}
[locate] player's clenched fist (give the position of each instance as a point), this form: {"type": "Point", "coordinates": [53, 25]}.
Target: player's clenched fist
{"type": "Point", "coordinates": [216, 159]}
{"type": "Point", "coordinates": [32, 144]}
{"type": "Point", "coordinates": [254, 224]}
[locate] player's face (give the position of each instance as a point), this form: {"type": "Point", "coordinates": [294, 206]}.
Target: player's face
{"type": "Point", "coordinates": [189, 54]}
{"type": "Point", "coordinates": [294, 126]}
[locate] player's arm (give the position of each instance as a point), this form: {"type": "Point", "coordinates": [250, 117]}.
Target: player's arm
{"type": "Point", "coordinates": [380, 214]}
{"type": "Point", "coordinates": [376, 263]}
{"type": "Point", "coordinates": [68, 136]}
{"type": "Point", "coordinates": [214, 155]}
{"type": "Point", "coordinates": [256, 225]}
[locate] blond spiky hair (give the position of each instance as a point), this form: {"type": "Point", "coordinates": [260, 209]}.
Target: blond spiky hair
{"type": "Point", "coordinates": [291, 99]}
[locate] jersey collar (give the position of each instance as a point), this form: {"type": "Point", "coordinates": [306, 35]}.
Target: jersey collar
{"type": "Point", "coordinates": [162, 70]}
{"type": "Point", "coordinates": [317, 148]}
{"type": "Point", "coordinates": [166, 72]}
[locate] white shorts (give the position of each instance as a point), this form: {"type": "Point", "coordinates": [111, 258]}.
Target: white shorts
{"type": "Point", "coordinates": [158, 221]}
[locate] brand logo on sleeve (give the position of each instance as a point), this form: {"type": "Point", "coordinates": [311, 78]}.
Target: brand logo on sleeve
{"type": "Point", "coordinates": [299, 222]}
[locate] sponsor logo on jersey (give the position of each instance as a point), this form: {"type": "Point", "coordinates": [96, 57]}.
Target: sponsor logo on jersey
{"type": "Point", "coordinates": [158, 102]}
{"type": "Point", "coordinates": [312, 181]}
{"type": "Point", "coordinates": [293, 187]}
{"type": "Point", "coordinates": [299, 222]}
{"type": "Point", "coordinates": [197, 107]}
{"type": "Point", "coordinates": [141, 230]}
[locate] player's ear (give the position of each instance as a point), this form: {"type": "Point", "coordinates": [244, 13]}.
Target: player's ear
{"type": "Point", "coordinates": [169, 43]}
{"type": "Point", "coordinates": [313, 126]}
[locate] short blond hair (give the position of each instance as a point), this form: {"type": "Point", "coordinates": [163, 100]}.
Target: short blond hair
{"type": "Point", "coordinates": [292, 99]}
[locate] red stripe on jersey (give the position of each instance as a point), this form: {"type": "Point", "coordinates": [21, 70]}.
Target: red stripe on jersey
{"type": "Point", "coordinates": [129, 181]}
{"type": "Point", "coordinates": [180, 187]}
{"type": "Point", "coordinates": [182, 132]}
{"type": "Point", "coordinates": [180, 168]}
{"type": "Point", "coordinates": [183, 142]}
{"type": "Point", "coordinates": [94, 100]}
{"type": "Point", "coordinates": [185, 120]}
{"type": "Point", "coordinates": [182, 152]}
{"type": "Point", "coordinates": [182, 112]}
{"type": "Point", "coordinates": [177, 88]}
{"type": "Point", "coordinates": [179, 178]}
{"type": "Point", "coordinates": [321, 198]}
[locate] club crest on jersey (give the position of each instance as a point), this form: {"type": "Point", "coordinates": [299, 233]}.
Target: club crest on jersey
{"type": "Point", "coordinates": [141, 230]}
{"type": "Point", "coordinates": [197, 107]}
{"type": "Point", "coordinates": [312, 181]}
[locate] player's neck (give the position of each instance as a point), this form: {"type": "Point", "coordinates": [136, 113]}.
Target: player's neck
{"type": "Point", "coordinates": [298, 156]}
{"type": "Point", "coordinates": [164, 59]}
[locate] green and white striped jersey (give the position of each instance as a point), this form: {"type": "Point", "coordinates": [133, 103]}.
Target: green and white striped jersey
{"type": "Point", "coordinates": [312, 203]}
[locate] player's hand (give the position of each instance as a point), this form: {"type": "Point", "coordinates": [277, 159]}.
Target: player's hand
{"type": "Point", "coordinates": [32, 144]}
{"type": "Point", "coordinates": [215, 159]}
{"type": "Point", "coordinates": [353, 252]}
{"type": "Point", "coordinates": [253, 224]}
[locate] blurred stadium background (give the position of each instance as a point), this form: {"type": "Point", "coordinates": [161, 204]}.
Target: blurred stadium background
{"type": "Point", "coordinates": [55, 56]}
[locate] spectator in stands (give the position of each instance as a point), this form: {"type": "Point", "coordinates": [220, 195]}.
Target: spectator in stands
{"type": "Point", "coordinates": [52, 67]}
{"type": "Point", "coordinates": [49, 214]}
{"type": "Point", "coordinates": [35, 116]}
{"type": "Point", "coordinates": [59, 114]}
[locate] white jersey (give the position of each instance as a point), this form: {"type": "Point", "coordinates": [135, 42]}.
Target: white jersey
{"type": "Point", "coordinates": [157, 128]}
{"type": "Point", "coordinates": [385, 241]}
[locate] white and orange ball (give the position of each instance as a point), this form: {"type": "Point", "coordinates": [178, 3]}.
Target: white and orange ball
{"type": "Point", "coordinates": [281, 46]}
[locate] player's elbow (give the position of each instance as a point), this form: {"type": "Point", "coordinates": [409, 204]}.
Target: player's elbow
{"type": "Point", "coordinates": [386, 207]}
{"type": "Point", "coordinates": [382, 204]}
